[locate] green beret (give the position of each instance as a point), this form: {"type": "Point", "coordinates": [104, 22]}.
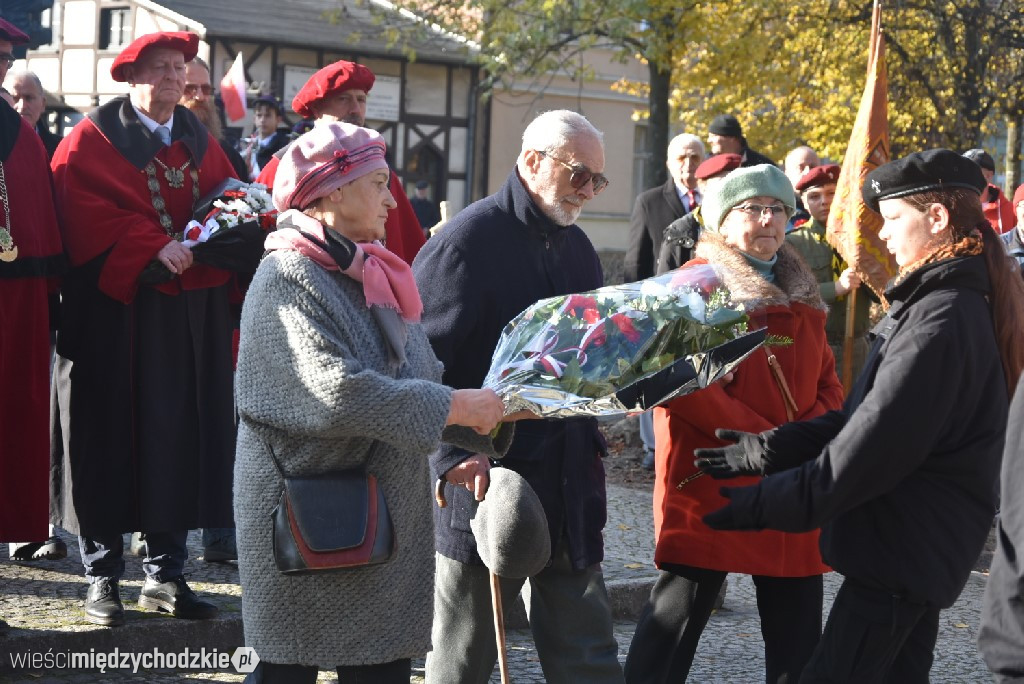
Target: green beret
{"type": "Point", "coordinates": [937, 169]}
{"type": "Point", "coordinates": [763, 180]}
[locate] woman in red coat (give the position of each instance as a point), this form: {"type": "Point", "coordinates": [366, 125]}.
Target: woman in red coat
{"type": "Point", "coordinates": [792, 379]}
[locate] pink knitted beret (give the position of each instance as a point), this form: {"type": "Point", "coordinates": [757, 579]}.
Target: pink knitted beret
{"type": "Point", "coordinates": [324, 159]}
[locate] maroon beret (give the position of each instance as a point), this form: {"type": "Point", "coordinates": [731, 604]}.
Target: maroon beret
{"type": "Point", "coordinates": [1018, 196]}
{"type": "Point", "coordinates": [11, 33]}
{"type": "Point", "coordinates": [718, 165]}
{"type": "Point", "coordinates": [184, 42]}
{"type": "Point", "coordinates": [819, 175]}
{"type": "Point", "coordinates": [333, 78]}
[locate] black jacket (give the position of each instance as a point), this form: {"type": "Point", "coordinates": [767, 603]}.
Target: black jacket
{"type": "Point", "coordinates": [752, 158]}
{"type": "Point", "coordinates": [490, 262]}
{"type": "Point", "coordinates": [279, 140]}
{"type": "Point", "coordinates": [680, 240]}
{"type": "Point", "coordinates": [653, 211]}
{"type": "Point", "coordinates": [904, 486]}
{"type": "Point", "coordinates": [1001, 639]}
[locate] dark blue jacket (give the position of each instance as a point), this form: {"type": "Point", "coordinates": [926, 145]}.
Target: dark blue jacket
{"type": "Point", "coordinates": [489, 263]}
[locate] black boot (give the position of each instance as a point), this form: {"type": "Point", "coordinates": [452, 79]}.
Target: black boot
{"type": "Point", "coordinates": [103, 603]}
{"type": "Point", "coordinates": [176, 598]}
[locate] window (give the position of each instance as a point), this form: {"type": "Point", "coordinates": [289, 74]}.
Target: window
{"type": "Point", "coordinates": [640, 157]}
{"type": "Point", "coordinates": [115, 28]}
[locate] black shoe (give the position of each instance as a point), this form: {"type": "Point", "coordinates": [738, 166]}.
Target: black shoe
{"type": "Point", "coordinates": [53, 548]}
{"type": "Point", "coordinates": [103, 603]}
{"type": "Point", "coordinates": [176, 598]}
{"type": "Point", "coordinates": [648, 462]}
{"type": "Point", "coordinates": [221, 551]}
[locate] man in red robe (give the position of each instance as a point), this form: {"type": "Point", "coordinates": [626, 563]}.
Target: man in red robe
{"type": "Point", "coordinates": [338, 93]}
{"type": "Point", "coordinates": [30, 260]}
{"type": "Point", "coordinates": [143, 374]}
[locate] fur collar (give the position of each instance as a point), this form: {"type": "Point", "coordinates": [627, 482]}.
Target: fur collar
{"type": "Point", "coordinates": [794, 281]}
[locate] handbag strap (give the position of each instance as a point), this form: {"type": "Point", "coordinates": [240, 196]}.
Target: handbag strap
{"type": "Point", "coordinates": [780, 380]}
{"type": "Point", "coordinates": [374, 444]}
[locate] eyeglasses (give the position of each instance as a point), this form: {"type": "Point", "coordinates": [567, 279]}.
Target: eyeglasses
{"type": "Point", "coordinates": [8, 58]}
{"type": "Point", "coordinates": [581, 175]}
{"type": "Point", "coordinates": [192, 88]}
{"type": "Point", "coordinates": [758, 210]}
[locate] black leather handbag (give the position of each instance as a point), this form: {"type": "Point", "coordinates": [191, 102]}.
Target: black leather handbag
{"type": "Point", "coordinates": [331, 521]}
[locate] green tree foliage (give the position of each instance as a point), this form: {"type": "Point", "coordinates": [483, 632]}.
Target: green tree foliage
{"type": "Point", "coordinates": [792, 72]}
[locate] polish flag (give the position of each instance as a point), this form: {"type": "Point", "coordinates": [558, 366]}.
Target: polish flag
{"type": "Point", "coordinates": [232, 90]}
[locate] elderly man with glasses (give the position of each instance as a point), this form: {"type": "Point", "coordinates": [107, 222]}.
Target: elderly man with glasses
{"type": "Point", "coordinates": [492, 260]}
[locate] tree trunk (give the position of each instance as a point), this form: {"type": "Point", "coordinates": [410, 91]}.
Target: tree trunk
{"type": "Point", "coordinates": [1013, 125]}
{"type": "Point", "coordinates": [655, 172]}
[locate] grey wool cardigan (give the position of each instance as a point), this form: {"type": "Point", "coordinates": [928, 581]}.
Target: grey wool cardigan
{"type": "Point", "coordinates": [314, 380]}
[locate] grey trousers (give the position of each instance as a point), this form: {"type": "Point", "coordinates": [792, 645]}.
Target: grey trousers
{"type": "Point", "coordinates": [570, 618]}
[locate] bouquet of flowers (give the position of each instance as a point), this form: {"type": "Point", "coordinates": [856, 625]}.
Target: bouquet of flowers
{"type": "Point", "coordinates": [234, 204]}
{"type": "Point", "coordinates": [227, 230]}
{"type": "Point", "coordinates": [621, 348]}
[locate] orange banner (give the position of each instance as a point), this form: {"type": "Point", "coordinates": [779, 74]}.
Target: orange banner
{"type": "Point", "coordinates": [852, 227]}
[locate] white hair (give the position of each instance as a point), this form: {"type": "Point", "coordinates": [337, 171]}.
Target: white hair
{"type": "Point", "coordinates": [685, 140]}
{"type": "Point", "coordinates": [553, 130]}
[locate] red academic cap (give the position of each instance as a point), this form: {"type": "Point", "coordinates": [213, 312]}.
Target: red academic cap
{"type": "Point", "coordinates": [819, 175]}
{"type": "Point", "coordinates": [184, 42]}
{"type": "Point", "coordinates": [333, 78]}
{"type": "Point", "coordinates": [717, 165]}
{"type": "Point", "coordinates": [11, 33]}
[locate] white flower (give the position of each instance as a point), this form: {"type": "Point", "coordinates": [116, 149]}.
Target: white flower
{"type": "Point", "coordinates": [650, 288]}
{"type": "Point", "coordinates": [695, 303]}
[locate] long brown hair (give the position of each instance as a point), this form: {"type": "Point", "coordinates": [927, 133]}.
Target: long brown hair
{"type": "Point", "coordinates": [1007, 295]}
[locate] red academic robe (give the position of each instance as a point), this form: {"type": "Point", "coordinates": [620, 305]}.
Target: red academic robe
{"type": "Point", "coordinates": [143, 376]}
{"type": "Point", "coordinates": [404, 235]}
{"type": "Point", "coordinates": [24, 332]}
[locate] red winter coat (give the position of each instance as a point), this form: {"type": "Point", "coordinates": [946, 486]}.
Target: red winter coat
{"type": "Point", "coordinates": [998, 210]}
{"type": "Point", "coordinates": [791, 307]}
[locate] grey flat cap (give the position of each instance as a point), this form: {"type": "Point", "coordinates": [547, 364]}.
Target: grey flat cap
{"type": "Point", "coordinates": [510, 527]}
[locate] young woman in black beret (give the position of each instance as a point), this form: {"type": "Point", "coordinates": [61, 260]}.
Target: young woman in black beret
{"type": "Point", "coordinates": [902, 480]}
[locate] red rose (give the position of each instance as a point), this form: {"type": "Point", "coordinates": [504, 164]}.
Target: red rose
{"type": "Point", "coordinates": [625, 326]}
{"type": "Point", "coordinates": [580, 302]}
{"type": "Point", "coordinates": [591, 316]}
{"type": "Point", "coordinates": [193, 233]}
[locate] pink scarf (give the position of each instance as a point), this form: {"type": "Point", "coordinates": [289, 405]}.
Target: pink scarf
{"type": "Point", "coordinates": [387, 280]}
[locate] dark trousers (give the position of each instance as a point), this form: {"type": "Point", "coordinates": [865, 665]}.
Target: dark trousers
{"type": "Point", "coordinates": [395, 672]}
{"type": "Point", "coordinates": [166, 553]}
{"type": "Point", "coordinates": [874, 636]}
{"type": "Point", "coordinates": [681, 602]}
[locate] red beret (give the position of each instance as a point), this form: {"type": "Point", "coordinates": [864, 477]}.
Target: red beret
{"type": "Point", "coordinates": [333, 78]}
{"type": "Point", "coordinates": [1018, 196]}
{"type": "Point", "coordinates": [718, 165]}
{"type": "Point", "coordinates": [11, 33]}
{"type": "Point", "coordinates": [184, 42]}
{"type": "Point", "coordinates": [819, 175]}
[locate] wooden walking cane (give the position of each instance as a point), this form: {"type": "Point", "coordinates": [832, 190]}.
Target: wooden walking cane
{"type": "Point", "coordinates": [496, 609]}
{"type": "Point", "coordinates": [499, 627]}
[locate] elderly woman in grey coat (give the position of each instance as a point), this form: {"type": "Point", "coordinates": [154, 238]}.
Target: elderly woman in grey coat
{"type": "Point", "coordinates": [334, 372]}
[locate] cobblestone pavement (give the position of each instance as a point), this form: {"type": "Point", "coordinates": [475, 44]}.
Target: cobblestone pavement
{"type": "Point", "coordinates": [44, 601]}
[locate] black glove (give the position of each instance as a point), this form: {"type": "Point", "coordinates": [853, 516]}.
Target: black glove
{"type": "Point", "coordinates": [741, 513]}
{"type": "Point", "coordinates": [745, 457]}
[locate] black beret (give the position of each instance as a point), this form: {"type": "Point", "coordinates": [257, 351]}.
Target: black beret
{"type": "Point", "coordinates": [981, 158]}
{"type": "Point", "coordinates": [726, 124]}
{"type": "Point", "coordinates": [938, 169]}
